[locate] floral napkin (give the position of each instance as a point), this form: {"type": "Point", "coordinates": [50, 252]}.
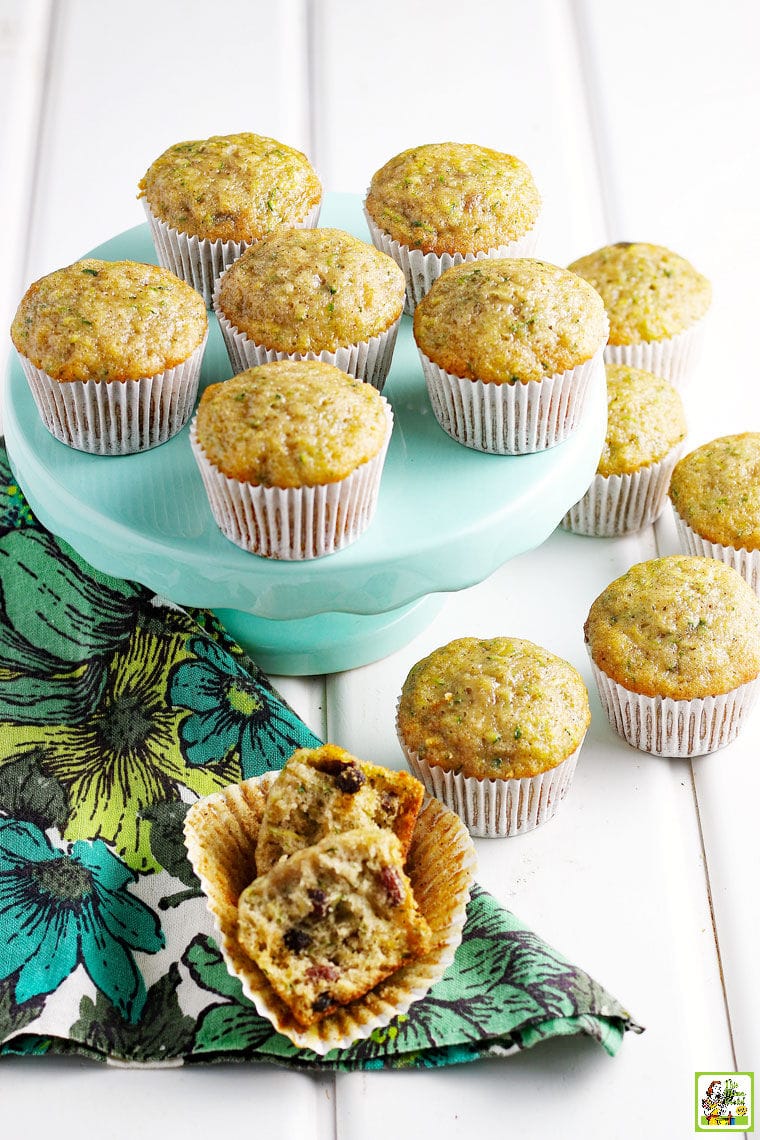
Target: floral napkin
{"type": "Point", "coordinates": [117, 711]}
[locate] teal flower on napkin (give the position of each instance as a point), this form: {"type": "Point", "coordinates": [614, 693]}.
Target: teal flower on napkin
{"type": "Point", "coordinates": [231, 714]}
{"type": "Point", "coordinates": [63, 908]}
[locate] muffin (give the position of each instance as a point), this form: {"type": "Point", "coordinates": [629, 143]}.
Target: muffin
{"type": "Point", "coordinates": [317, 294]}
{"type": "Point", "coordinates": [675, 648]}
{"type": "Point", "coordinates": [646, 427]}
{"type": "Point", "coordinates": [715, 494]}
{"type": "Point", "coordinates": [208, 199]}
{"type": "Point", "coordinates": [326, 790]}
{"type": "Point", "coordinates": [656, 302]}
{"type": "Point", "coordinates": [112, 352]}
{"type": "Point", "coordinates": [493, 728]}
{"type": "Point", "coordinates": [291, 454]}
{"type": "Point", "coordinates": [437, 205]}
{"type": "Point", "coordinates": [221, 834]}
{"type": "Point", "coordinates": [509, 347]}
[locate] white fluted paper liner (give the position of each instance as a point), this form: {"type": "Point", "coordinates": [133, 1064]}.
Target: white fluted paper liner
{"type": "Point", "coordinates": [510, 418]}
{"type": "Point", "coordinates": [294, 523]}
{"type": "Point", "coordinates": [220, 835]}
{"type": "Point", "coordinates": [496, 809]}
{"type": "Point", "coordinates": [422, 269]}
{"type": "Point", "coordinates": [199, 261]}
{"type": "Point", "coordinates": [117, 417]}
{"type": "Point", "coordinates": [747, 562]}
{"type": "Point", "coordinates": [620, 504]}
{"type": "Point", "coordinates": [673, 358]}
{"type": "Point", "coordinates": [668, 727]}
{"type": "Point", "coordinates": [368, 360]}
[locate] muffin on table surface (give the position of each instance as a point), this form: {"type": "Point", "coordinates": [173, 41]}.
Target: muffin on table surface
{"type": "Point", "coordinates": [112, 352]}
{"type": "Point", "coordinates": [436, 205]}
{"type": "Point", "coordinates": [509, 347]}
{"type": "Point", "coordinates": [207, 199]}
{"type": "Point", "coordinates": [646, 426]}
{"type": "Point", "coordinates": [291, 454]}
{"type": "Point", "coordinates": [312, 294]}
{"type": "Point", "coordinates": [323, 791]}
{"type": "Point", "coordinates": [656, 302]}
{"type": "Point", "coordinates": [493, 727]}
{"type": "Point", "coordinates": [715, 494]}
{"type": "Point", "coordinates": [675, 648]}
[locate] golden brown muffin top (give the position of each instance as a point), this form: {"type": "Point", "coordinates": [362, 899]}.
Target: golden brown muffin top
{"type": "Point", "coordinates": [291, 424]}
{"type": "Point", "coordinates": [677, 627]}
{"type": "Point", "coordinates": [453, 198]}
{"type": "Point", "coordinates": [498, 708]}
{"type": "Point", "coordinates": [716, 490]}
{"type": "Point", "coordinates": [649, 292]}
{"type": "Point", "coordinates": [645, 420]}
{"type": "Point", "coordinates": [509, 320]}
{"type": "Point", "coordinates": [108, 320]}
{"type": "Point", "coordinates": [230, 187]}
{"type": "Point", "coordinates": [312, 291]}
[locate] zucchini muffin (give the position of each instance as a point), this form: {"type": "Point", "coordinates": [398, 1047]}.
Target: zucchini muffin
{"type": "Point", "coordinates": [329, 923]}
{"type": "Point", "coordinates": [221, 834]}
{"type": "Point", "coordinates": [291, 454]}
{"type": "Point", "coordinates": [656, 302]}
{"type": "Point", "coordinates": [317, 294]}
{"type": "Point", "coordinates": [112, 352]}
{"type": "Point", "coordinates": [715, 494]}
{"type": "Point", "coordinates": [675, 648]}
{"type": "Point", "coordinates": [323, 791]}
{"type": "Point", "coordinates": [646, 427]}
{"type": "Point", "coordinates": [509, 347]}
{"type": "Point", "coordinates": [437, 205]}
{"type": "Point", "coordinates": [493, 727]}
{"type": "Point", "coordinates": [208, 199]}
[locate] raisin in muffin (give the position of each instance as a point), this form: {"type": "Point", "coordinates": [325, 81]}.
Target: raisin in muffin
{"type": "Point", "coordinates": [437, 205]}
{"type": "Point", "coordinates": [317, 294]}
{"type": "Point", "coordinates": [112, 352]}
{"type": "Point", "coordinates": [493, 727]}
{"type": "Point", "coordinates": [208, 199]}
{"type": "Point", "coordinates": [656, 302]}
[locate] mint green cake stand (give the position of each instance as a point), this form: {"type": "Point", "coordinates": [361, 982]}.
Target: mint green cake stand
{"type": "Point", "coordinates": [447, 516]}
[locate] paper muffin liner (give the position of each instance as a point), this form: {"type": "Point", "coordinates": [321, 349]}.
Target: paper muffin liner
{"type": "Point", "coordinates": [510, 418]}
{"type": "Point", "coordinates": [294, 523]}
{"type": "Point", "coordinates": [747, 562]}
{"type": "Point", "coordinates": [673, 358]}
{"type": "Point", "coordinates": [422, 269]}
{"type": "Point", "coordinates": [220, 835]}
{"type": "Point", "coordinates": [199, 261]}
{"type": "Point", "coordinates": [665, 726]}
{"type": "Point", "coordinates": [620, 504]}
{"type": "Point", "coordinates": [117, 417]}
{"type": "Point", "coordinates": [367, 360]}
{"type": "Point", "coordinates": [496, 809]}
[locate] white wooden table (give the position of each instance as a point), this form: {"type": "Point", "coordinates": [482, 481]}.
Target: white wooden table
{"type": "Point", "coordinates": [639, 122]}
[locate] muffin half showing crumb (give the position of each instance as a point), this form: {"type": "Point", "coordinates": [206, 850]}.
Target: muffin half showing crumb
{"type": "Point", "coordinates": [291, 455]}
{"type": "Point", "coordinates": [208, 199]}
{"type": "Point", "coordinates": [112, 352]}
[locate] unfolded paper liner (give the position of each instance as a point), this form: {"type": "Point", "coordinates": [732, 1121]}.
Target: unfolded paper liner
{"type": "Point", "coordinates": [117, 417]}
{"type": "Point", "coordinates": [422, 269]}
{"type": "Point", "coordinates": [673, 358]}
{"type": "Point", "coordinates": [368, 360]}
{"type": "Point", "coordinates": [747, 562]}
{"type": "Point", "coordinates": [665, 726]}
{"type": "Point", "coordinates": [199, 261]}
{"type": "Point", "coordinates": [510, 418]}
{"type": "Point", "coordinates": [294, 523]}
{"type": "Point", "coordinates": [220, 835]}
{"type": "Point", "coordinates": [496, 809]}
{"type": "Point", "coordinates": [620, 504]}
